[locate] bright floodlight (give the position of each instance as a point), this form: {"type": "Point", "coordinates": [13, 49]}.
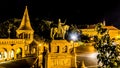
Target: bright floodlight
{"type": "Point", "coordinates": [74, 36]}
{"type": "Point", "coordinates": [93, 55]}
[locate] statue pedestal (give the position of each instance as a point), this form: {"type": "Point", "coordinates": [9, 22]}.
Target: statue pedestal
{"type": "Point", "coordinates": [59, 55]}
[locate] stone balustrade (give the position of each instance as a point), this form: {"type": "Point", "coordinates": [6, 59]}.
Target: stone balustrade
{"type": "Point", "coordinates": [12, 41]}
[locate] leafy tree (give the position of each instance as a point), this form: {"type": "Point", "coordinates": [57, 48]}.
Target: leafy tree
{"type": "Point", "coordinates": [10, 24]}
{"type": "Point", "coordinates": [44, 29]}
{"type": "Point", "coordinates": [107, 49]}
{"type": "Point", "coordinates": [85, 38]}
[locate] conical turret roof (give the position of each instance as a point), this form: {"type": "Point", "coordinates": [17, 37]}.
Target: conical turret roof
{"type": "Point", "coordinates": [25, 23]}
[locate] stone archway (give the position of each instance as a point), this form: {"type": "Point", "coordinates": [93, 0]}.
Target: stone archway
{"type": "Point", "coordinates": [3, 54]}
{"type": "Point", "coordinates": [19, 53]}
{"type": "Point", "coordinates": [12, 54]}
{"type": "Point", "coordinates": [33, 50]}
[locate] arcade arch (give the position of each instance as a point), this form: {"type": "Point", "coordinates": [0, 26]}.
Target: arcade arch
{"type": "Point", "coordinates": [3, 54]}
{"type": "Point", "coordinates": [12, 54]}
{"type": "Point", "coordinates": [19, 53]}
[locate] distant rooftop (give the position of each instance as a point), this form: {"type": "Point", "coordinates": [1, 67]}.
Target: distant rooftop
{"type": "Point", "coordinates": [110, 27]}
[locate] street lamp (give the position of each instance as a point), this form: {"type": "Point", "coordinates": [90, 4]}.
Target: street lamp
{"type": "Point", "coordinates": [38, 65]}
{"type": "Point", "coordinates": [40, 54]}
{"type": "Point", "coordinates": [9, 31]}
{"type": "Point", "coordinates": [38, 49]}
{"type": "Point", "coordinates": [73, 38]}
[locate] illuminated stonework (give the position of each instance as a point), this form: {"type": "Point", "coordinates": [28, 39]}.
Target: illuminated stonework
{"type": "Point", "coordinates": [25, 30]}
{"type": "Point", "coordinates": [113, 31]}
{"type": "Point", "coordinates": [18, 48]}
{"type": "Point", "coordinates": [60, 55]}
{"type": "Point", "coordinates": [59, 31]}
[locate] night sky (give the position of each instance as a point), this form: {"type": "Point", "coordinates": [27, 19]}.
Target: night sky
{"type": "Point", "coordinates": [77, 12]}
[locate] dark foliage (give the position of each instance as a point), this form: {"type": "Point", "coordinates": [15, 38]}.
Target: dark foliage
{"type": "Point", "coordinates": [107, 50]}
{"type": "Point", "coordinates": [10, 24]}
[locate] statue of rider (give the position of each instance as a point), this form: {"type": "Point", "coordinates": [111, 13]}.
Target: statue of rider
{"type": "Point", "coordinates": [60, 28]}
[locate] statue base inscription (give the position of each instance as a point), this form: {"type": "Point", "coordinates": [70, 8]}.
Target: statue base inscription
{"type": "Point", "coordinates": [59, 55]}
{"type": "Point", "coordinates": [60, 61]}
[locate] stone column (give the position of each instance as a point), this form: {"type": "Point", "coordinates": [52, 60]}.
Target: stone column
{"type": "Point", "coordinates": [15, 54]}
{"type": "Point", "coordinates": [7, 55]}
{"type": "Point", "coordinates": [23, 52]}
{"type": "Point", "coordinates": [23, 35]}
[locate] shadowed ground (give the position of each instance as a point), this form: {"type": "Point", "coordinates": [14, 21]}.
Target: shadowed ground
{"type": "Point", "coordinates": [21, 63]}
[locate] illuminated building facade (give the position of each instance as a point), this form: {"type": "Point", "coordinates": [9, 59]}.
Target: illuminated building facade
{"type": "Point", "coordinates": [59, 55]}
{"type": "Point", "coordinates": [113, 31]}
{"type": "Point", "coordinates": [19, 47]}
{"type": "Point", "coordinates": [58, 52]}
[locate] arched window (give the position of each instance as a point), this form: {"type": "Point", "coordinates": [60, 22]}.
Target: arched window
{"type": "Point", "coordinates": [29, 36]}
{"type": "Point", "coordinates": [55, 49]}
{"type": "Point", "coordinates": [64, 49]}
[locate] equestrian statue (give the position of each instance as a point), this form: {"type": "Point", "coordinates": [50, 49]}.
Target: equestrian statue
{"type": "Point", "coordinates": [59, 31]}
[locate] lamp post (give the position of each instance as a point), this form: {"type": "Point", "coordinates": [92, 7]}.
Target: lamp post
{"type": "Point", "coordinates": [9, 31]}
{"type": "Point", "coordinates": [38, 64]}
{"type": "Point", "coordinates": [74, 37]}
{"type": "Point", "coordinates": [40, 55]}
{"type": "Point", "coordinates": [38, 49]}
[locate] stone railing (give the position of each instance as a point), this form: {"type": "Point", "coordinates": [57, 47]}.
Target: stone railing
{"type": "Point", "coordinates": [12, 41]}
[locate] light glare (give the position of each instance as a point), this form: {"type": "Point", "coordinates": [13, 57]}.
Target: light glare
{"type": "Point", "coordinates": [93, 55]}
{"type": "Point", "coordinates": [73, 36]}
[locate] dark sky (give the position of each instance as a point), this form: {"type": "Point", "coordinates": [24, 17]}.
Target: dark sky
{"type": "Point", "coordinates": [78, 12]}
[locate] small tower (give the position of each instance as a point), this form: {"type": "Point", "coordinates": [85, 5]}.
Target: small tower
{"type": "Point", "coordinates": [25, 30]}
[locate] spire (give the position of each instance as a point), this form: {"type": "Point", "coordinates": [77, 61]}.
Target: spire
{"type": "Point", "coordinates": [25, 23]}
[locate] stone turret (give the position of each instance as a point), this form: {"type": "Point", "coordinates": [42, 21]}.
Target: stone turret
{"type": "Point", "coordinates": [25, 30]}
